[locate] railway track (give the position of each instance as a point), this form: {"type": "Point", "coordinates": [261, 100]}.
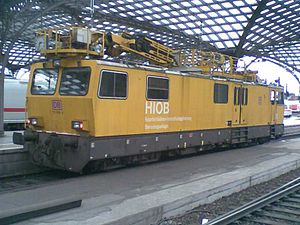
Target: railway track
{"type": "Point", "coordinates": [281, 206]}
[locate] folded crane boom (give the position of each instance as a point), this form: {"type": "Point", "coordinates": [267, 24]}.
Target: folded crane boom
{"type": "Point", "coordinates": [83, 42]}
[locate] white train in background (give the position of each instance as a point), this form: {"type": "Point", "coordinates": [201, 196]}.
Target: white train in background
{"type": "Point", "coordinates": [14, 103]}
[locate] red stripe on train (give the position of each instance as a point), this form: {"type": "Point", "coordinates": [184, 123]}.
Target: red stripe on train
{"type": "Point", "coordinates": [14, 110]}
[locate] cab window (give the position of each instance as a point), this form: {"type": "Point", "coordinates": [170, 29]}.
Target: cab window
{"type": "Point", "coordinates": [113, 84]}
{"type": "Point", "coordinates": [157, 88]}
{"type": "Point", "coordinates": [44, 81]}
{"type": "Point", "coordinates": [75, 81]}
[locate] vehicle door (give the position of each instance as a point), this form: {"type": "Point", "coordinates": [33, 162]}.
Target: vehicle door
{"type": "Point", "coordinates": [240, 105]}
{"type": "Point", "coordinates": [273, 106]}
{"type": "Point", "coordinates": [236, 105]}
{"type": "Point", "coordinates": [244, 105]}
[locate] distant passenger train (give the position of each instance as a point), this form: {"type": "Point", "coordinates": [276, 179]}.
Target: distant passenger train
{"type": "Point", "coordinates": [14, 103]}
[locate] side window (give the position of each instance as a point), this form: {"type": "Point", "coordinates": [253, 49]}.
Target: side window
{"type": "Point", "coordinates": [113, 84]}
{"type": "Point", "coordinates": [272, 97]}
{"type": "Point", "coordinates": [244, 96]}
{"type": "Point", "coordinates": [280, 98]}
{"type": "Point", "coordinates": [157, 88]}
{"type": "Point", "coordinates": [236, 96]}
{"type": "Point", "coordinates": [240, 96]}
{"type": "Point", "coordinates": [220, 93]}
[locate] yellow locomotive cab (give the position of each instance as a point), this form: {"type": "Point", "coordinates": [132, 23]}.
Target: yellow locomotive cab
{"type": "Point", "coordinates": [96, 114]}
{"type": "Point", "coordinates": [63, 95]}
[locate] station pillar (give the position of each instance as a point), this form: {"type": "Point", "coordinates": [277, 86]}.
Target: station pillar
{"type": "Point", "coordinates": [2, 103]}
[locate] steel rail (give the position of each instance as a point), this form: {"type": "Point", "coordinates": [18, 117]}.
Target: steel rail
{"type": "Point", "coordinates": [257, 204]}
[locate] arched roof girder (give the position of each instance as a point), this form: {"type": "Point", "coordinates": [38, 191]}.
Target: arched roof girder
{"type": "Point", "coordinates": [257, 12]}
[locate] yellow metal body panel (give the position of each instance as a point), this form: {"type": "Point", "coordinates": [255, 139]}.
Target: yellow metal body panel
{"type": "Point", "coordinates": [190, 106]}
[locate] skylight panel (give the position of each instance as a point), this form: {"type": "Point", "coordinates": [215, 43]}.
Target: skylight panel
{"type": "Point", "coordinates": [173, 27]}
{"type": "Point", "coordinates": [175, 6]}
{"type": "Point", "coordinates": [165, 15]}
{"type": "Point", "coordinates": [121, 8]}
{"type": "Point", "coordinates": [113, 9]}
{"type": "Point", "coordinates": [281, 10]}
{"type": "Point", "coordinates": [138, 5]}
{"type": "Point", "coordinates": [227, 27]}
{"type": "Point", "coordinates": [217, 28]}
{"type": "Point", "coordinates": [234, 11]}
{"type": "Point", "coordinates": [131, 14]}
{"type": "Point", "coordinates": [194, 10]}
{"type": "Point", "coordinates": [213, 37]}
{"type": "Point", "coordinates": [148, 10]}
{"type": "Point", "coordinates": [233, 35]}
{"type": "Point", "coordinates": [202, 16]}
{"type": "Point", "coordinates": [148, 3]}
{"type": "Point", "coordinates": [210, 22]}
{"type": "Point", "coordinates": [157, 16]}
{"type": "Point", "coordinates": [293, 6]}
{"type": "Point", "coordinates": [190, 32]}
{"type": "Point", "coordinates": [183, 19]}
{"type": "Point", "coordinates": [219, 45]}
{"type": "Point", "coordinates": [246, 10]}
{"type": "Point", "coordinates": [229, 44]}
{"type": "Point", "coordinates": [206, 30]}
{"type": "Point", "coordinates": [205, 8]}
{"type": "Point", "coordinates": [251, 2]}
{"type": "Point", "coordinates": [241, 18]}
{"type": "Point", "coordinates": [191, 25]}
{"type": "Point", "coordinates": [174, 20]}
{"type": "Point", "coordinates": [181, 26]}
{"type": "Point", "coordinates": [237, 26]}
{"type": "Point", "coordinates": [157, 22]}
{"type": "Point", "coordinates": [213, 14]}
{"type": "Point", "coordinates": [186, 4]}
{"type": "Point", "coordinates": [220, 20]}
{"type": "Point", "coordinates": [271, 3]}
{"type": "Point", "coordinates": [157, 2]}
{"type": "Point", "coordinates": [157, 9]}
{"type": "Point", "coordinates": [230, 19]}
{"type": "Point", "coordinates": [183, 11]}
{"type": "Point", "coordinates": [165, 21]}
{"type": "Point", "coordinates": [223, 36]}
{"type": "Point", "coordinates": [223, 13]}
{"type": "Point", "coordinates": [166, 7]}
{"type": "Point", "coordinates": [216, 6]}
{"type": "Point", "coordinates": [192, 18]}
{"type": "Point", "coordinates": [227, 5]}
{"type": "Point", "coordinates": [238, 3]}
{"type": "Point", "coordinates": [197, 30]}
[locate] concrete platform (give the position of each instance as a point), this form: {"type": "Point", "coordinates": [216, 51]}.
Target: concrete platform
{"type": "Point", "coordinates": [144, 194]}
{"type": "Point", "coordinates": [6, 142]}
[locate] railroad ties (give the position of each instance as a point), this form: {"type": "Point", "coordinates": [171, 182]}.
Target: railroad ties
{"type": "Point", "coordinates": [281, 206]}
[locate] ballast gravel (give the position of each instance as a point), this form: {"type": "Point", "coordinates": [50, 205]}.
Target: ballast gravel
{"type": "Point", "coordinates": [226, 204]}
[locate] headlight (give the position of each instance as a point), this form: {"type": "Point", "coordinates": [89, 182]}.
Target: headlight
{"type": "Point", "coordinates": [77, 125]}
{"type": "Point", "coordinates": [35, 121]}
{"type": "Point", "coordinates": [32, 121]}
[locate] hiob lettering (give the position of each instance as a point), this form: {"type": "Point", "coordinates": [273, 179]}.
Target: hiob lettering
{"type": "Point", "coordinates": [152, 107]}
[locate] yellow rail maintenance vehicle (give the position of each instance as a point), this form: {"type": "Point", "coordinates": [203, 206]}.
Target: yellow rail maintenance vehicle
{"type": "Point", "coordinates": [84, 112]}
